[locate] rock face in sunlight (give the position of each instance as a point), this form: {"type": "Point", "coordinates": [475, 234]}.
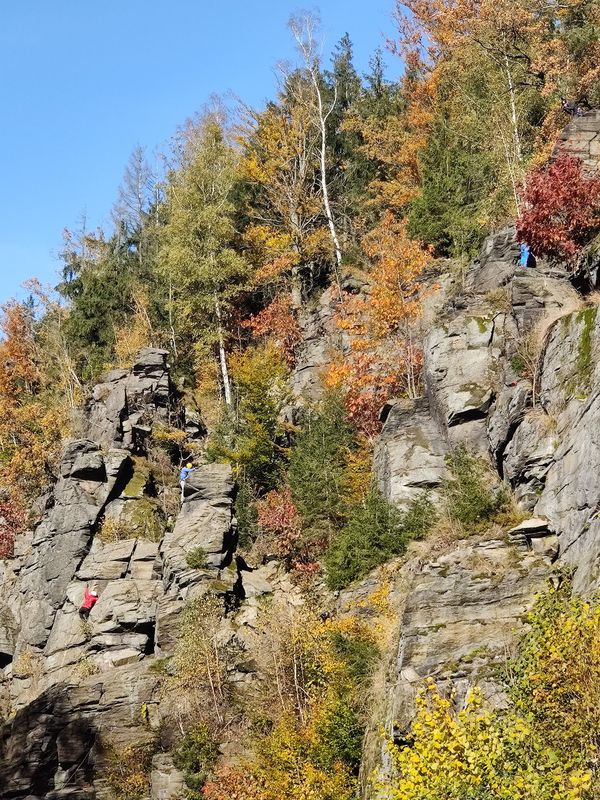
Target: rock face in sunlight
{"type": "Point", "coordinates": [73, 683]}
{"type": "Point", "coordinates": [511, 370]}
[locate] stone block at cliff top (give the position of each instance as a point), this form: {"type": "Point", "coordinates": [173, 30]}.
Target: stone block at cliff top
{"type": "Point", "coordinates": [115, 413]}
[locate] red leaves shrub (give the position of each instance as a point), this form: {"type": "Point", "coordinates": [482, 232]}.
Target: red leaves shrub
{"type": "Point", "coordinates": [279, 520]}
{"type": "Point", "coordinates": [12, 521]}
{"type": "Point", "coordinates": [562, 209]}
{"type": "Point", "coordinates": [278, 321]}
{"type": "Point", "coordinates": [277, 515]}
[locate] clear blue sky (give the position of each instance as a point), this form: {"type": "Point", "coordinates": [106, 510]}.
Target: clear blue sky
{"type": "Point", "coordinates": [84, 81]}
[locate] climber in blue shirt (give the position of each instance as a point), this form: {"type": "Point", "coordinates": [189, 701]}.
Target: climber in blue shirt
{"type": "Point", "coordinates": [183, 475]}
{"type": "Point", "coordinates": [525, 256]}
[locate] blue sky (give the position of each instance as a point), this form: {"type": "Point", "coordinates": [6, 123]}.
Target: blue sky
{"type": "Point", "coordinates": [83, 81]}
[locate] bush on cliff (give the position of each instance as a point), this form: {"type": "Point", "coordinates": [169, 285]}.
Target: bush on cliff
{"type": "Point", "coordinates": [376, 531]}
{"type": "Point", "coordinates": [470, 497]}
{"type": "Point", "coordinates": [318, 476]}
{"type": "Point", "coordinates": [544, 746]}
{"type": "Point", "coordinates": [196, 755]}
{"type": "Point", "coordinates": [561, 209]}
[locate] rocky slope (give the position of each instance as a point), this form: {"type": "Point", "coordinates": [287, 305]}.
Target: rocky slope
{"type": "Point", "coordinates": [67, 689]}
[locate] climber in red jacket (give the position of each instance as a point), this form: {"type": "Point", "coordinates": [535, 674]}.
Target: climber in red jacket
{"type": "Point", "coordinates": [89, 601]}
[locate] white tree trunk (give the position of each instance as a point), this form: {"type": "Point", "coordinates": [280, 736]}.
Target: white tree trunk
{"type": "Point", "coordinates": [223, 355]}
{"type": "Point", "coordinates": [323, 126]}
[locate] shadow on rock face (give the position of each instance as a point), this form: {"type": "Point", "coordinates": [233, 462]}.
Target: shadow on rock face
{"type": "Point", "coordinates": [47, 752]}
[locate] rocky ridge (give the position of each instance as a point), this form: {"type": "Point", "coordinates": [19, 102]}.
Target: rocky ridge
{"type": "Point", "coordinates": [68, 686]}
{"type": "Point", "coordinates": [459, 609]}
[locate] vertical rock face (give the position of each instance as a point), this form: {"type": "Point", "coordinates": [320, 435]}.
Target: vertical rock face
{"type": "Point", "coordinates": [118, 412]}
{"type": "Point", "coordinates": [81, 691]}
{"type": "Point", "coordinates": [461, 617]}
{"type": "Point", "coordinates": [462, 611]}
{"type": "Point", "coordinates": [581, 138]}
{"type": "Point", "coordinates": [409, 454]}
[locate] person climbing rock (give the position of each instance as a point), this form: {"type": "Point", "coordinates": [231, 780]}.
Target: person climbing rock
{"type": "Point", "coordinates": [570, 107]}
{"type": "Point", "coordinates": [89, 601]}
{"type": "Point", "coordinates": [526, 257]}
{"type": "Point", "coordinates": [183, 476]}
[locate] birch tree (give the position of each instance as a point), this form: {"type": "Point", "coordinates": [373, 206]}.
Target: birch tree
{"type": "Point", "coordinates": [203, 272]}
{"type": "Point", "coordinates": [304, 28]}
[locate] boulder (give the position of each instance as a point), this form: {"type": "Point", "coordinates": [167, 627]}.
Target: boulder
{"type": "Point", "coordinates": [167, 782]}
{"type": "Point", "coordinates": [409, 453]}
{"type": "Point", "coordinates": [205, 521]}
{"type": "Point", "coordinates": [118, 406]}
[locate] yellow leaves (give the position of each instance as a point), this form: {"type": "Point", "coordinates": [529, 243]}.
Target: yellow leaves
{"type": "Point", "coordinates": [136, 334]}
{"type": "Point", "coordinates": [541, 748]}
{"type": "Point", "coordinates": [266, 241]}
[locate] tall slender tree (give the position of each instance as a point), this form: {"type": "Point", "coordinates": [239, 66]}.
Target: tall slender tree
{"type": "Point", "coordinates": [202, 271]}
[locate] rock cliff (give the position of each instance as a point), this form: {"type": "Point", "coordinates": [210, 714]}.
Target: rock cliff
{"type": "Point", "coordinates": [70, 687]}
{"type": "Point", "coordinates": [511, 369]}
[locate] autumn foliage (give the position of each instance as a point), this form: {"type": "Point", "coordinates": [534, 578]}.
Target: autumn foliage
{"type": "Point", "coordinates": [562, 209]}
{"type": "Point", "coordinates": [385, 357]}
{"type": "Point", "coordinates": [30, 423]}
{"type": "Point", "coordinates": [277, 321]}
{"type": "Point", "coordinates": [12, 520]}
{"type": "Point", "coordinates": [278, 519]}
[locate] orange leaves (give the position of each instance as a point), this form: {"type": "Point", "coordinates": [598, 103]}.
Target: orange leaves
{"type": "Point", "coordinates": [398, 266]}
{"type": "Point", "coordinates": [384, 359]}
{"type": "Point", "coordinates": [367, 380]}
{"type": "Point", "coordinates": [30, 424]}
{"type": "Point", "coordinates": [278, 321]}
{"type": "Point", "coordinates": [12, 522]}
{"type": "Point", "coordinates": [275, 269]}
{"type": "Point", "coordinates": [19, 372]}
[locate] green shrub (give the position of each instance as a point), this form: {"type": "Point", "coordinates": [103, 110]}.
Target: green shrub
{"type": "Point", "coordinates": [196, 558]}
{"type": "Point", "coordinates": [376, 531]}
{"type": "Point", "coordinates": [318, 468]}
{"type": "Point", "coordinates": [340, 735]}
{"type": "Point", "coordinates": [195, 756]}
{"type": "Point", "coordinates": [470, 496]}
{"type": "Point", "coordinates": [245, 513]}
{"type": "Point", "coordinates": [359, 655]}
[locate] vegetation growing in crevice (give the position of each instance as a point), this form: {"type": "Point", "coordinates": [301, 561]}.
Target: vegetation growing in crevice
{"type": "Point", "coordinates": [309, 709]}
{"type": "Point", "coordinates": [374, 533]}
{"type": "Point", "coordinates": [471, 499]}
{"type": "Point", "coordinates": [585, 363]}
{"type": "Point", "coordinates": [127, 770]}
{"type": "Point", "coordinates": [196, 755]}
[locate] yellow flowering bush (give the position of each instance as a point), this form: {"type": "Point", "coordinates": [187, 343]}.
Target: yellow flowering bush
{"type": "Point", "coordinates": [556, 678]}
{"type": "Point", "coordinates": [479, 754]}
{"type": "Point", "coordinates": [546, 746]}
